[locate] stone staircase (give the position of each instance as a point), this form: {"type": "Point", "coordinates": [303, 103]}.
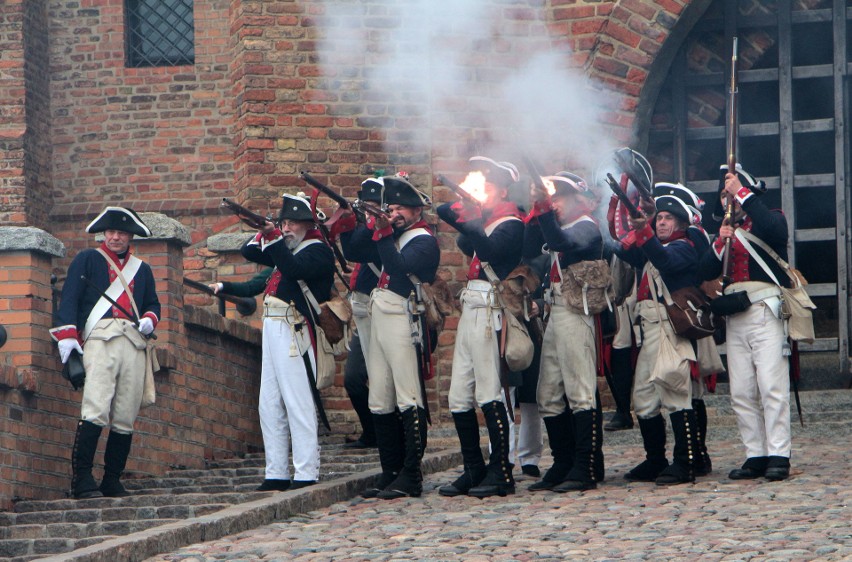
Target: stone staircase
{"type": "Point", "coordinates": [37, 529]}
{"type": "Point", "coordinates": [57, 528]}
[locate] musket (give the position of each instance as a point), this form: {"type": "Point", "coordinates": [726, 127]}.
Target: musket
{"type": "Point", "coordinates": [629, 167]}
{"type": "Point", "coordinates": [622, 196]}
{"type": "Point", "coordinates": [245, 306]}
{"type": "Point", "coordinates": [358, 205]}
{"type": "Point", "coordinates": [309, 371]}
{"type": "Point", "coordinates": [459, 190]}
{"type": "Point", "coordinates": [732, 161]}
{"type": "Point", "coordinates": [324, 233]}
{"type": "Point", "coordinates": [249, 217]}
{"type": "Point", "coordinates": [133, 319]}
{"type": "Point", "coordinates": [419, 336]}
{"type": "Point", "coordinates": [535, 172]}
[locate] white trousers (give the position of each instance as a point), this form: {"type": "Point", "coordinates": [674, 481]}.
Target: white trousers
{"type": "Point", "coordinates": [475, 376]}
{"type": "Point", "coordinates": [760, 381]}
{"type": "Point", "coordinates": [288, 416]}
{"type": "Point", "coordinates": [392, 365]}
{"type": "Point", "coordinates": [568, 363]}
{"type": "Point", "coordinates": [648, 397]}
{"type": "Point", "coordinates": [363, 323]}
{"type": "Point", "coordinates": [114, 359]}
{"type": "Point", "coordinates": [530, 442]}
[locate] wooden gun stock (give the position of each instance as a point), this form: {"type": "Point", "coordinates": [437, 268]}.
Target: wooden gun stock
{"type": "Point", "coordinates": [245, 306]}
{"type": "Point", "coordinates": [250, 218]}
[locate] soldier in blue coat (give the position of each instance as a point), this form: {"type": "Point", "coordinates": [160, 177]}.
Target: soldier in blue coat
{"type": "Point", "coordinates": [665, 255]}
{"type": "Point", "coordinates": [303, 272]}
{"type": "Point", "coordinates": [114, 340]}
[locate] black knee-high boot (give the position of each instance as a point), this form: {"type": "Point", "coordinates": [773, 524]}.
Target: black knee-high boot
{"type": "Point", "coordinates": [654, 440]}
{"type": "Point", "coordinates": [586, 434]}
{"type": "Point", "coordinates": [599, 468]}
{"type": "Point", "coordinates": [409, 482]}
{"type": "Point", "coordinates": [498, 479]}
{"type": "Point", "coordinates": [703, 464]}
{"type": "Point", "coordinates": [560, 434]}
{"type": "Point", "coordinates": [83, 485]}
{"type": "Point", "coordinates": [467, 427]}
{"type": "Point", "coordinates": [682, 470]}
{"type": "Point", "coordinates": [115, 459]}
{"type": "Point", "coordinates": [391, 442]}
{"type": "Point", "coordinates": [622, 388]}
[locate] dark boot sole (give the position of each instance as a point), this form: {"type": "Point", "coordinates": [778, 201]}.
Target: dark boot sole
{"type": "Point", "coordinates": [88, 495]}
{"type": "Point", "coordinates": [574, 486]}
{"type": "Point", "coordinates": [502, 492]}
{"type": "Point", "coordinates": [396, 494]}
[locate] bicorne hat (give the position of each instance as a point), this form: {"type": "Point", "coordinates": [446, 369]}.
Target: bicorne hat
{"type": "Point", "coordinates": [398, 191]}
{"type": "Point", "coordinates": [297, 208]}
{"type": "Point", "coordinates": [758, 187]}
{"type": "Point", "coordinates": [502, 174]}
{"type": "Point", "coordinates": [664, 192]}
{"type": "Point", "coordinates": [119, 218]}
{"type": "Point", "coordinates": [371, 190]}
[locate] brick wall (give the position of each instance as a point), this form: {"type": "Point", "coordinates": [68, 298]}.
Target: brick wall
{"type": "Point", "coordinates": [12, 113]}
{"type": "Point", "coordinates": [207, 392]}
{"type": "Point", "coordinates": [255, 109]}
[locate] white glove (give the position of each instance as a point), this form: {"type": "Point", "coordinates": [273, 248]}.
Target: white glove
{"type": "Point", "coordinates": [146, 326]}
{"type": "Point", "coordinates": [66, 346]}
{"type": "Point", "coordinates": [216, 287]}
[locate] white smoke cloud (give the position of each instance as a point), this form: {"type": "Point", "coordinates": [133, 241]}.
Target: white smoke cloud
{"type": "Point", "coordinates": [448, 79]}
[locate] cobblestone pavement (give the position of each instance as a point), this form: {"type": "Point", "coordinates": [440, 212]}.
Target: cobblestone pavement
{"type": "Point", "coordinates": [804, 518]}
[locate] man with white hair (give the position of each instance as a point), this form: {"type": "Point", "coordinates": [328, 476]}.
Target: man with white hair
{"type": "Point", "coordinates": [303, 275]}
{"type": "Point", "coordinates": [114, 339]}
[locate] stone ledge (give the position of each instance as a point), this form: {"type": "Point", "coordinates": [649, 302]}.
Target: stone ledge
{"type": "Point", "coordinates": [29, 238]}
{"type": "Point", "coordinates": [227, 242]}
{"type": "Point", "coordinates": [238, 518]}
{"type": "Point", "coordinates": [207, 320]}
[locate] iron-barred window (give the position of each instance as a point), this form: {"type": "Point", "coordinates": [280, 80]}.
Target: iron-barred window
{"type": "Point", "coordinates": [159, 33]}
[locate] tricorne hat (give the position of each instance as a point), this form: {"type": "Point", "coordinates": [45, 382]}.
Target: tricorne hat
{"type": "Point", "coordinates": [398, 191]}
{"type": "Point", "coordinates": [371, 190]}
{"type": "Point", "coordinates": [502, 174]}
{"type": "Point", "coordinates": [694, 203]}
{"type": "Point", "coordinates": [119, 218]}
{"type": "Point", "coordinates": [580, 181]}
{"type": "Point", "coordinates": [297, 208]}
{"type": "Point", "coordinates": [565, 185]}
{"type": "Point", "coordinates": [758, 187]}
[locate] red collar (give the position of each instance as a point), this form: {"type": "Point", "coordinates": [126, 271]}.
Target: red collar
{"type": "Point", "coordinates": [676, 235]}
{"type": "Point", "coordinates": [502, 210]}
{"type": "Point", "coordinates": [419, 224]}
{"type": "Point", "coordinates": [114, 256]}
{"type": "Point", "coordinates": [312, 234]}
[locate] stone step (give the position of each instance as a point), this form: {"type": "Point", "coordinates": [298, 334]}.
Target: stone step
{"type": "Point", "coordinates": [86, 516]}
{"type": "Point", "coordinates": [98, 528]}
{"type": "Point", "coordinates": [139, 500]}
{"type": "Point", "coordinates": [23, 550]}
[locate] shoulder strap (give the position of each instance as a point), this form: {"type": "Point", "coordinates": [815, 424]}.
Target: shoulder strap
{"type": "Point", "coordinates": [409, 235]}
{"type": "Point", "coordinates": [744, 237]}
{"type": "Point", "coordinates": [121, 278]}
{"type": "Point", "coordinates": [309, 296]}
